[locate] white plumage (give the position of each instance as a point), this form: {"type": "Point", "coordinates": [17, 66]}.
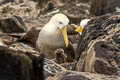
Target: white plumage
{"type": "Point", "coordinates": [83, 23]}
{"type": "Point", "coordinates": [53, 35]}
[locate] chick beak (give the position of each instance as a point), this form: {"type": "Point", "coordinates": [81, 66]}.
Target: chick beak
{"type": "Point", "coordinates": [79, 29]}
{"type": "Point", "coordinates": [64, 33]}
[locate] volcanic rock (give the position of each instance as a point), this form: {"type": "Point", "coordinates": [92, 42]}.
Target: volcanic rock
{"type": "Point", "coordinates": [72, 75]}
{"type": "Point", "coordinates": [16, 65]}
{"type": "Point", "coordinates": [99, 46]}
{"type": "Point", "coordinates": [14, 24]}
{"type": "Point", "coordinates": [104, 6]}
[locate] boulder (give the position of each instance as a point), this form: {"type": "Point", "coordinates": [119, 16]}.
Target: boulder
{"type": "Point", "coordinates": [76, 12]}
{"type": "Point", "coordinates": [13, 24]}
{"type": "Point", "coordinates": [27, 47]}
{"type": "Point", "coordinates": [99, 46]}
{"type": "Point", "coordinates": [7, 9]}
{"type": "Point", "coordinates": [72, 75]}
{"type": "Point", "coordinates": [19, 65]}
{"type": "Point", "coordinates": [74, 2]}
{"type": "Point", "coordinates": [7, 39]}
{"type": "Point", "coordinates": [101, 7]}
{"type": "Point", "coordinates": [51, 68]}
{"type": "Point", "coordinates": [71, 10]}
{"type": "Point", "coordinates": [12, 1]}
{"type": "Point", "coordinates": [69, 66]}
{"type": "Point", "coordinates": [2, 43]}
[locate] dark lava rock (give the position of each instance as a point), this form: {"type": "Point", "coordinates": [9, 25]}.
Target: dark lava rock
{"type": "Point", "coordinates": [76, 12]}
{"type": "Point", "coordinates": [7, 9]}
{"type": "Point", "coordinates": [69, 66]}
{"type": "Point", "coordinates": [74, 2]}
{"type": "Point", "coordinates": [51, 68]}
{"type": "Point", "coordinates": [101, 7]}
{"type": "Point", "coordinates": [12, 1]}
{"type": "Point", "coordinates": [13, 24]}
{"type": "Point", "coordinates": [99, 46]}
{"type": "Point", "coordinates": [24, 47]}
{"type": "Point", "coordinates": [72, 75]}
{"type": "Point", "coordinates": [41, 3]}
{"type": "Point", "coordinates": [19, 65]}
{"type": "Point", "coordinates": [2, 43]}
{"type": "Point", "coordinates": [7, 39]}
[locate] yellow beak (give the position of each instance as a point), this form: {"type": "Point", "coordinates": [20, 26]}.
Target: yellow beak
{"type": "Point", "coordinates": [79, 29]}
{"type": "Point", "coordinates": [64, 33]}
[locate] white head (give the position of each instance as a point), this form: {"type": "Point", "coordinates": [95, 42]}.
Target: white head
{"type": "Point", "coordinates": [83, 23]}
{"type": "Point", "coordinates": [60, 20]}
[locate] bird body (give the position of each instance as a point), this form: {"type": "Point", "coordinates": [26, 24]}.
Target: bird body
{"type": "Point", "coordinates": [53, 35]}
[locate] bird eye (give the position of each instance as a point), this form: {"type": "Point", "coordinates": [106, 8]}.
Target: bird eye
{"type": "Point", "coordinates": [60, 22]}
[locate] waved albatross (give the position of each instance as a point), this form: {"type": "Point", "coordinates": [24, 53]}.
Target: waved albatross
{"type": "Point", "coordinates": [53, 35]}
{"type": "Point", "coordinates": [83, 23]}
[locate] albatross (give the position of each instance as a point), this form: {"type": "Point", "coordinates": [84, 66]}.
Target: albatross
{"type": "Point", "coordinates": [53, 35]}
{"type": "Point", "coordinates": [83, 23]}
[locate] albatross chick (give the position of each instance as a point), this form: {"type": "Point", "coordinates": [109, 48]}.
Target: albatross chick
{"type": "Point", "coordinates": [60, 56]}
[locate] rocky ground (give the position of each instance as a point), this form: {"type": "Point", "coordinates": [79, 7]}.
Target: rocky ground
{"type": "Point", "coordinates": [96, 51]}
